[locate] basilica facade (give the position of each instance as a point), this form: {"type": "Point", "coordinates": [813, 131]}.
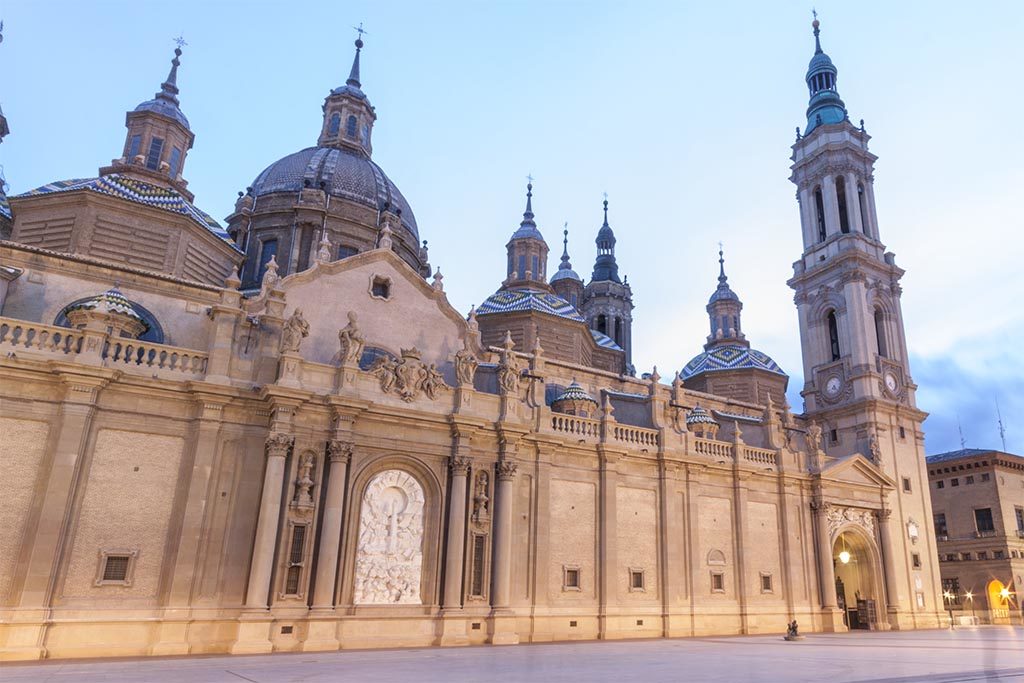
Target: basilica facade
{"type": "Point", "coordinates": [279, 435]}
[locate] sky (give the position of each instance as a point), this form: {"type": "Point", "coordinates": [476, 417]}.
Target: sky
{"type": "Point", "coordinates": [683, 112]}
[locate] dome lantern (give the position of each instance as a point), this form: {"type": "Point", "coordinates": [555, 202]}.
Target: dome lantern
{"type": "Point", "coordinates": [348, 114]}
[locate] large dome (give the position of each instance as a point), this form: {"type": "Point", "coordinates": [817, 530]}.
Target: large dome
{"type": "Point", "coordinates": [346, 174]}
{"type": "Point", "coordinates": [730, 357]}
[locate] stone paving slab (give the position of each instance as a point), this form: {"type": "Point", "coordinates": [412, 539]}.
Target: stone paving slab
{"type": "Point", "coordinates": [966, 654]}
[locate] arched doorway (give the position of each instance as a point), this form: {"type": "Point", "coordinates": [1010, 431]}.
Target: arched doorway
{"type": "Point", "coordinates": [998, 602]}
{"type": "Point", "coordinates": [858, 589]}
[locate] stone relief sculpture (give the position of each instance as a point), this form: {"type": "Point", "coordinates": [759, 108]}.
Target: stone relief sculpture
{"type": "Point", "coordinates": [508, 367]}
{"type": "Point", "coordinates": [295, 329]}
{"type": "Point", "coordinates": [409, 376]}
{"type": "Point", "coordinates": [874, 449]}
{"type": "Point", "coordinates": [389, 556]}
{"type": "Point", "coordinates": [813, 437]}
{"type": "Point", "coordinates": [351, 341]}
{"type": "Point", "coordinates": [838, 516]}
{"type": "Point", "coordinates": [304, 481]}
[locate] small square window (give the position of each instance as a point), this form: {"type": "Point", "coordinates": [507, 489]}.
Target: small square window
{"type": "Point", "coordinates": [116, 567]}
{"type": "Point", "coordinates": [940, 484]}
{"type": "Point", "coordinates": [636, 580]}
{"type": "Point", "coordinates": [998, 554]}
{"type": "Point", "coordinates": [570, 578]}
{"type": "Point", "coordinates": [982, 554]}
{"type": "Point", "coordinates": [380, 288]}
{"type": "Point", "coordinates": [906, 484]}
{"type": "Point", "coordinates": [915, 560]}
{"type": "Point", "coordinates": [965, 556]}
{"type": "Point", "coordinates": [969, 479]}
{"type": "Point", "coordinates": [766, 583]}
{"type": "Point", "coordinates": [717, 582]}
{"type": "Point", "coordinates": [985, 476]}
{"type": "Point", "coordinates": [955, 481]}
{"type": "Point", "coordinates": [951, 557]}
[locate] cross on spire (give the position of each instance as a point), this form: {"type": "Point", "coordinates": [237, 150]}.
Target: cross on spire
{"type": "Point", "coordinates": [529, 178]}
{"type": "Point", "coordinates": [180, 41]}
{"type": "Point", "coordinates": [359, 29]}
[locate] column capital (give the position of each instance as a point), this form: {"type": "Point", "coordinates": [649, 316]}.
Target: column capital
{"type": "Point", "coordinates": [459, 465]}
{"type": "Point", "coordinates": [340, 451]}
{"type": "Point", "coordinates": [883, 515]}
{"type": "Point", "coordinates": [278, 444]}
{"type": "Point", "coordinates": [506, 470]}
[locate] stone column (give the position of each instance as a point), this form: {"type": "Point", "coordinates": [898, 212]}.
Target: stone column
{"type": "Point", "coordinates": [340, 453]}
{"type": "Point", "coordinates": [500, 596]}
{"type": "Point", "coordinates": [831, 204]}
{"type": "Point", "coordinates": [826, 568]}
{"type": "Point", "coordinates": [892, 597]}
{"type": "Point", "coordinates": [266, 527]}
{"type": "Point", "coordinates": [608, 551]}
{"type": "Point", "coordinates": [455, 551]}
{"type": "Point", "coordinates": [853, 204]}
{"type": "Point", "coordinates": [869, 202]}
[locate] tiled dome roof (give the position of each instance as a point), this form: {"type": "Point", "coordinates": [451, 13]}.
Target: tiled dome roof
{"type": "Point", "coordinates": [699, 416]}
{"type": "Point", "coordinates": [508, 300]}
{"type": "Point", "coordinates": [111, 301]}
{"type": "Point", "coordinates": [164, 108]}
{"type": "Point", "coordinates": [730, 357]}
{"type": "Point", "coordinates": [345, 173]}
{"type": "Point", "coordinates": [574, 392]}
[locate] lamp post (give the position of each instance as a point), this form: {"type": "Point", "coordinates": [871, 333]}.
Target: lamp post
{"type": "Point", "coordinates": [949, 604]}
{"type": "Point", "coordinates": [970, 598]}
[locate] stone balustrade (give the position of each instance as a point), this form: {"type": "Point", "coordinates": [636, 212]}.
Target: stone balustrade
{"type": "Point", "coordinates": [18, 335]}
{"type": "Point", "coordinates": [134, 353]}
{"type": "Point", "coordinates": [713, 449]}
{"type": "Point", "coordinates": [760, 456]}
{"type": "Point", "coordinates": [580, 427]}
{"type": "Point", "coordinates": [635, 436]}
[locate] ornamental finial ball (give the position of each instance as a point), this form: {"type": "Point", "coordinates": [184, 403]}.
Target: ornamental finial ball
{"type": "Point", "coordinates": [359, 43]}
{"type": "Point", "coordinates": [815, 23]}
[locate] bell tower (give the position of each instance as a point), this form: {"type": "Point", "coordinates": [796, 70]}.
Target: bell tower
{"type": "Point", "coordinates": [857, 382]}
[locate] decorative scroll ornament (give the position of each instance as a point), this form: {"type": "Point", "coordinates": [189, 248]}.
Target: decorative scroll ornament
{"type": "Point", "coordinates": [389, 554]}
{"type": "Point", "coordinates": [304, 481]}
{"type": "Point", "coordinates": [295, 330]}
{"type": "Point", "coordinates": [351, 341]}
{"type": "Point", "coordinates": [465, 365]}
{"type": "Point", "coordinates": [278, 444]}
{"type": "Point", "coordinates": [839, 516]}
{"type": "Point", "coordinates": [409, 376]}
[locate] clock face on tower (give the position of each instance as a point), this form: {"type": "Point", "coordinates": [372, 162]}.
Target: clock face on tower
{"type": "Point", "coordinates": [891, 383]}
{"type": "Point", "coordinates": [833, 386]}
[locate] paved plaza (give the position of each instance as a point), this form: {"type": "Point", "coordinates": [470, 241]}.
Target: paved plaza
{"type": "Point", "coordinates": [966, 654]}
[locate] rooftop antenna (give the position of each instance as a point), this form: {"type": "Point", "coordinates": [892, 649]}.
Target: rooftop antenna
{"type": "Point", "coordinates": [963, 442]}
{"type": "Point", "coordinates": [1002, 430]}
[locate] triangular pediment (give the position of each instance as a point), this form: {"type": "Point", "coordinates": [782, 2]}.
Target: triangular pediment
{"type": "Point", "coordinates": [412, 314]}
{"type": "Point", "coordinates": [856, 469]}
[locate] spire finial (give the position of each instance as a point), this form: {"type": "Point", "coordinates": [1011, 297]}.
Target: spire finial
{"type": "Point", "coordinates": [816, 24]}
{"type": "Point", "coordinates": [605, 195]}
{"type": "Point", "coordinates": [528, 214]}
{"type": "Point", "coordinates": [566, 264]}
{"type": "Point", "coordinates": [353, 75]}
{"type": "Point", "coordinates": [721, 264]}
{"type": "Point", "coordinates": [169, 88]}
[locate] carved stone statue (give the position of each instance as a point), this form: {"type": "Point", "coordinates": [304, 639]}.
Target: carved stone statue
{"type": "Point", "coordinates": [508, 367]}
{"type": "Point", "coordinates": [481, 500]}
{"type": "Point", "coordinates": [270, 276]}
{"type": "Point", "coordinates": [323, 252]}
{"type": "Point", "coordinates": [465, 365]}
{"type": "Point", "coordinates": [389, 554]}
{"type": "Point", "coordinates": [304, 481]}
{"type": "Point", "coordinates": [351, 341]}
{"type": "Point", "coordinates": [813, 437]}
{"type": "Point", "coordinates": [793, 631]}
{"type": "Point", "coordinates": [408, 376]}
{"type": "Point", "coordinates": [295, 329]}
{"type": "Point", "coordinates": [874, 448]}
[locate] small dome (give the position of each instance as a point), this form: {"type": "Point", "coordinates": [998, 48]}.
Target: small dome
{"type": "Point", "coordinates": [574, 392]}
{"type": "Point", "coordinates": [699, 416]}
{"type": "Point", "coordinates": [111, 301]}
{"type": "Point", "coordinates": [820, 62]}
{"type": "Point", "coordinates": [164, 107]}
{"type": "Point", "coordinates": [565, 274]}
{"type": "Point", "coordinates": [723, 293]}
{"type": "Point", "coordinates": [730, 357]}
{"type": "Point", "coordinates": [509, 300]}
{"type": "Point", "coordinates": [343, 173]}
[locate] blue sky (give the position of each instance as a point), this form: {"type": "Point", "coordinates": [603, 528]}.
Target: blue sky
{"type": "Point", "coordinates": [682, 112]}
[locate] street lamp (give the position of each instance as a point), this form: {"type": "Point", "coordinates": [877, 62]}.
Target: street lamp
{"type": "Point", "coordinates": [949, 604]}
{"type": "Point", "coordinates": [970, 597]}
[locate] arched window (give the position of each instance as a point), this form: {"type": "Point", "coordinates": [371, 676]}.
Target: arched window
{"type": "Point", "coordinates": [346, 251]}
{"type": "Point", "coordinates": [602, 324]}
{"type": "Point", "coordinates": [863, 209]}
{"type": "Point", "coordinates": [618, 331]}
{"type": "Point", "coordinates": [883, 348]}
{"type": "Point", "coordinates": [819, 213]}
{"type": "Point", "coordinates": [350, 127]}
{"type": "Point", "coordinates": [522, 267]}
{"type": "Point", "coordinates": [536, 267]}
{"type": "Point", "coordinates": [844, 214]}
{"type": "Point", "coordinates": [335, 124]}
{"type": "Point", "coordinates": [510, 259]}
{"type": "Point", "coordinates": [833, 335]}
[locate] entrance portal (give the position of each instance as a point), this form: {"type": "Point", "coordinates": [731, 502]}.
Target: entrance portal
{"type": "Point", "coordinates": [857, 590]}
{"type": "Point", "coordinates": [998, 602]}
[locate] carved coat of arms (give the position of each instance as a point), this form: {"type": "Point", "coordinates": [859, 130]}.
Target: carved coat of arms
{"type": "Point", "coordinates": [409, 376]}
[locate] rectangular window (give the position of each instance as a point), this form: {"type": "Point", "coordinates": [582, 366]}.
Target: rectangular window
{"type": "Point", "coordinates": [906, 484]}
{"type": "Point", "coordinates": [268, 250]}
{"type": "Point", "coordinates": [116, 568]}
{"type": "Point", "coordinates": [941, 530]}
{"type": "Point", "coordinates": [636, 580]}
{"type": "Point", "coordinates": [955, 481]}
{"type": "Point", "coordinates": [294, 574]}
{"type": "Point", "coordinates": [834, 436]}
{"type": "Point", "coordinates": [998, 554]}
{"type": "Point", "coordinates": [175, 162]}
{"type": "Point", "coordinates": [952, 586]}
{"type": "Point", "coordinates": [985, 476]}
{"type": "Point", "coordinates": [717, 582]}
{"type": "Point", "coordinates": [982, 554]}
{"type": "Point", "coordinates": [156, 148]}
{"type": "Point", "coordinates": [951, 557]}
{"type": "Point", "coordinates": [915, 560]}
{"type": "Point", "coordinates": [1019, 512]}
{"type": "Point", "coordinates": [766, 583]}
{"type": "Point", "coordinates": [983, 520]}
{"type": "Point", "coordinates": [522, 267]}
{"type": "Point", "coordinates": [134, 147]}
{"type": "Point", "coordinates": [536, 268]}
{"type": "Point", "coordinates": [476, 582]}
{"type": "Point", "coordinates": [570, 578]}
{"type": "Point", "coordinates": [965, 556]}
{"type": "Point", "coordinates": [969, 479]}
{"type": "Point", "coordinates": [940, 484]}
{"type": "Point", "coordinates": [903, 433]}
